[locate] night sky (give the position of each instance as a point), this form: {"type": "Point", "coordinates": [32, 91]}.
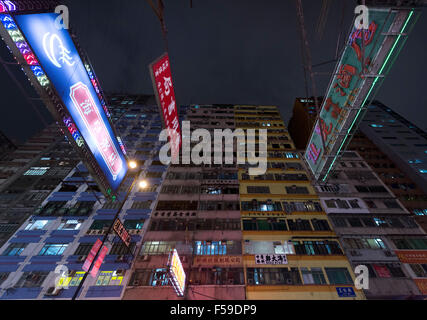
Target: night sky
{"type": "Point", "coordinates": [222, 51]}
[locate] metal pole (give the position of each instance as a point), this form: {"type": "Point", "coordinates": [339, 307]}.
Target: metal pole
{"type": "Point", "coordinates": [159, 13]}
{"type": "Point", "coordinates": [304, 39]}
{"type": "Point", "coordinates": [106, 235]}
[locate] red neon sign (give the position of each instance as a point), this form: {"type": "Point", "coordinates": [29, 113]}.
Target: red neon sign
{"type": "Point", "coordinates": [88, 111]}
{"type": "Point", "coordinates": [99, 261]}
{"type": "Point", "coordinates": [92, 255]}
{"type": "Point", "coordinates": [162, 78]}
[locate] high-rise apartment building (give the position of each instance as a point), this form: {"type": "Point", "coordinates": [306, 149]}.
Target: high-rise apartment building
{"type": "Point", "coordinates": [64, 228]}
{"type": "Point", "coordinates": [198, 214]}
{"type": "Point", "coordinates": [6, 145]}
{"type": "Point", "coordinates": [413, 198]}
{"type": "Point", "coordinates": [282, 217]}
{"type": "Point", "coordinates": [29, 174]}
{"type": "Point", "coordinates": [394, 148]}
{"type": "Point", "coordinates": [374, 227]}
{"type": "Point", "coordinates": [241, 236]}
{"type": "Point", "coordinates": [399, 139]}
{"type": "Point", "coordinates": [304, 115]}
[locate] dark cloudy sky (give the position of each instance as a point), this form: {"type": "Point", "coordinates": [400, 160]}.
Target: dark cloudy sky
{"type": "Point", "coordinates": [222, 51]}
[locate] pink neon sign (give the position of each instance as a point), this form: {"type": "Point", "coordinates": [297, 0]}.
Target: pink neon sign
{"type": "Point", "coordinates": [84, 103]}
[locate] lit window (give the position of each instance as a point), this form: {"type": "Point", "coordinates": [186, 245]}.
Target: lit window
{"type": "Point", "coordinates": [72, 279]}
{"type": "Point", "coordinates": [53, 249]}
{"type": "Point", "coordinates": [109, 278]}
{"type": "Point", "coordinates": [37, 225]}
{"type": "Point", "coordinates": [36, 171]}
{"type": "Point", "coordinates": [70, 225]}
{"type": "Point", "coordinates": [377, 126]}
{"type": "Point", "coordinates": [420, 212]}
{"type": "Point", "coordinates": [423, 170]}
{"type": "Point", "coordinates": [211, 248]}
{"type": "Point", "coordinates": [14, 249]}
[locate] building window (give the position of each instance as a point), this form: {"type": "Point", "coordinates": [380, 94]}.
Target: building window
{"type": "Point", "coordinates": [389, 270]}
{"type": "Point", "coordinates": [3, 277]}
{"type": "Point", "coordinates": [354, 204]}
{"type": "Point", "coordinates": [297, 190]}
{"type": "Point", "coordinates": [273, 276]}
{"type": "Point", "coordinates": [258, 189]}
{"type": "Point", "coordinates": [338, 276]}
{"type": "Point", "coordinates": [371, 189]}
{"type": "Point", "coordinates": [73, 279]}
{"type": "Point", "coordinates": [339, 222]}
{"type": "Point", "coordinates": [320, 225]}
{"type": "Point", "coordinates": [330, 203]}
{"type": "Point", "coordinates": [53, 249]}
{"type": "Point", "coordinates": [141, 205]}
{"type": "Point", "coordinates": [70, 225]}
{"type": "Point", "coordinates": [420, 270]}
{"type": "Point", "coordinates": [355, 222]}
{"type": "Point", "coordinates": [83, 249]}
{"type": "Point", "coordinates": [414, 243]}
{"type": "Point", "coordinates": [110, 278]}
{"type": "Point", "coordinates": [101, 224]}
{"type": "Point", "coordinates": [380, 222]}
{"type": "Point", "coordinates": [313, 276]}
{"type": "Point", "coordinates": [148, 277]}
{"type": "Point", "coordinates": [210, 248]}
{"type": "Point", "coordinates": [371, 243]}
{"type": "Point", "coordinates": [219, 276]}
{"type": "Point", "coordinates": [36, 225]}
{"type": "Point", "coordinates": [120, 248]}
{"type": "Point", "coordinates": [299, 225]}
{"type": "Point", "coordinates": [14, 249]}
{"type": "Point", "coordinates": [133, 224]}
{"type": "Point", "coordinates": [11, 227]}
{"type": "Point", "coordinates": [157, 247]}
{"type": "Point", "coordinates": [420, 212]}
{"type": "Point", "coordinates": [36, 171]}
{"type": "Point", "coordinates": [31, 279]}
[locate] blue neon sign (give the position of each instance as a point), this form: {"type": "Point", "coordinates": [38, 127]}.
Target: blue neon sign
{"type": "Point", "coordinates": [61, 62]}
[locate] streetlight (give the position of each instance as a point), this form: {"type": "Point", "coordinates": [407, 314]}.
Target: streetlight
{"type": "Point", "coordinates": [143, 184]}
{"type": "Point", "coordinates": [132, 164]}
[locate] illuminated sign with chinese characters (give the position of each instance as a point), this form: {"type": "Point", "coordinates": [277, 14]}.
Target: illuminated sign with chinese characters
{"type": "Point", "coordinates": [54, 59]}
{"type": "Point", "coordinates": [122, 232]}
{"type": "Point", "coordinates": [356, 75]}
{"type": "Point", "coordinates": [99, 261]}
{"type": "Point", "coordinates": [161, 75]}
{"type": "Point", "coordinates": [177, 273]}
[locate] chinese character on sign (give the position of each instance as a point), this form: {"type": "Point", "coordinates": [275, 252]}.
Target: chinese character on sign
{"type": "Point", "coordinates": [162, 82]}
{"type": "Point", "coordinates": [274, 259]}
{"type": "Point", "coordinates": [168, 85]}
{"type": "Point", "coordinates": [336, 110]}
